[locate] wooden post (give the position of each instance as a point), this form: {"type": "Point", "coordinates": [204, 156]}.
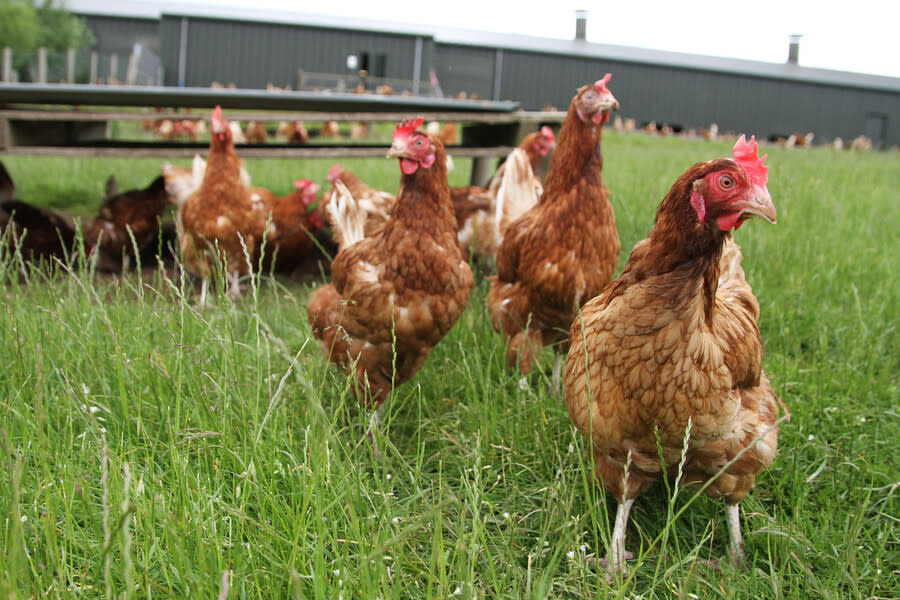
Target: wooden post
{"type": "Point", "coordinates": [42, 65]}
{"type": "Point", "coordinates": [113, 68]}
{"type": "Point", "coordinates": [7, 64]}
{"type": "Point", "coordinates": [70, 65]}
{"type": "Point", "coordinates": [94, 61]}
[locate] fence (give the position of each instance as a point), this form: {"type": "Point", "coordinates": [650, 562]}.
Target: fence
{"type": "Point", "coordinates": [141, 67]}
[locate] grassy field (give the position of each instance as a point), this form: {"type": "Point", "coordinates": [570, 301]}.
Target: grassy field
{"type": "Point", "coordinates": [153, 450]}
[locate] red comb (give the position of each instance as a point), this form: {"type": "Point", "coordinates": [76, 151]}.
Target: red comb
{"type": "Point", "coordinates": [302, 183]}
{"type": "Point", "coordinates": [217, 113]}
{"type": "Point", "coordinates": [746, 154]}
{"type": "Point", "coordinates": [407, 127]}
{"type": "Point", "coordinates": [601, 83]}
{"type": "Point", "coordinates": [548, 133]}
{"type": "Point", "coordinates": [334, 171]}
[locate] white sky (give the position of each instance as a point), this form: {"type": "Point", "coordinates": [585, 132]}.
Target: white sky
{"type": "Point", "coordinates": [859, 36]}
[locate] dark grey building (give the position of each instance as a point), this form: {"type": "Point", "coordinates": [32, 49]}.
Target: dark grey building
{"type": "Point", "coordinates": [253, 49]}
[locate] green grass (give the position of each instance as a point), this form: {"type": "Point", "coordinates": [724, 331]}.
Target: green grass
{"type": "Point", "coordinates": [148, 447]}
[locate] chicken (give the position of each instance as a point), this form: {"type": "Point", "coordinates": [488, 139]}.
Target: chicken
{"type": "Point", "coordinates": [223, 220]}
{"type": "Point", "coordinates": [668, 358]}
{"type": "Point", "coordinates": [330, 129]}
{"type": "Point", "coordinates": [256, 133]}
{"type": "Point", "coordinates": [565, 249]}
{"type": "Point", "coordinates": [397, 293]}
{"type": "Point", "coordinates": [7, 185]}
{"type": "Point", "coordinates": [294, 234]}
{"type": "Point", "coordinates": [482, 215]}
{"type": "Point", "coordinates": [376, 205]}
{"type": "Point", "coordinates": [133, 214]}
{"type": "Point", "coordinates": [181, 182]}
{"type": "Point", "coordinates": [294, 131]}
{"type": "Point", "coordinates": [37, 233]}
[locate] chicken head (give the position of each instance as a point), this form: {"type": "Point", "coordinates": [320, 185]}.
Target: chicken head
{"type": "Point", "coordinates": [308, 195]}
{"type": "Point", "coordinates": [545, 141]}
{"type": "Point", "coordinates": [218, 125]}
{"type": "Point", "coordinates": [594, 102]}
{"type": "Point", "coordinates": [414, 148]}
{"type": "Point", "coordinates": [732, 194]}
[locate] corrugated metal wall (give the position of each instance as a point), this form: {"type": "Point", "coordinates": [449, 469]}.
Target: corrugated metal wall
{"type": "Point", "coordinates": [465, 69]}
{"type": "Point", "coordinates": [688, 98]}
{"type": "Point", "coordinates": [116, 34]}
{"type": "Point", "coordinates": [253, 55]}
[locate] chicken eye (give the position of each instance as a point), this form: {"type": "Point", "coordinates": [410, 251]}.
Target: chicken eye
{"type": "Point", "coordinates": [589, 95]}
{"type": "Point", "coordinates": [726, 182]}
{"type": "Point", "coordinates": [419, 142]}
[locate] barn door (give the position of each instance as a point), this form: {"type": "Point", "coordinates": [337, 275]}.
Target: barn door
{"type": "Point", "coordinates": [876, 129]}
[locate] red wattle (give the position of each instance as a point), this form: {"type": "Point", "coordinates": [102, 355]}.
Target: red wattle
{"type": "Point", "coordinates": [408, 166]}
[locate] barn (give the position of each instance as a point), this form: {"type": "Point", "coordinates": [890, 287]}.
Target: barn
{"type": "Point", "coordinates": [255, 49]}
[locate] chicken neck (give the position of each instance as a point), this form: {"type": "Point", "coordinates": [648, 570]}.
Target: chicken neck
{"type": "Point", "coordinates": [577, 155]}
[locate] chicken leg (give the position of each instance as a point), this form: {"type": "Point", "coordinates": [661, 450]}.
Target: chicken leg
{"type": "Point", "coordinates": [736, 543]}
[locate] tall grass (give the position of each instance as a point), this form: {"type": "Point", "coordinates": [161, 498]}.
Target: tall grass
{"type": "Point", "coordinates": [150, 449]}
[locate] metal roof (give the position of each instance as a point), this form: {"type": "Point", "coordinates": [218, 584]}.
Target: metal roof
{"type": "Point", "coordinates": [483, 39]}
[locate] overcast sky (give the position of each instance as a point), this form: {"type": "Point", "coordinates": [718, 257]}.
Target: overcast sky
{"type": "Point", "coordinates": [856, 36]}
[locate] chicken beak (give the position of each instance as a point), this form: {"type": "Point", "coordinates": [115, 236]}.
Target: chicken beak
{"type": "Point", "coordinates": [759, 204]}
{"type": "Point", "coordinates": [609, 102]}
{"type": "Point", "coordinates": [398, 150]}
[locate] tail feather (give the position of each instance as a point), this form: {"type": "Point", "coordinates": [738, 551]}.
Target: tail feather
{"type": "Point", "coordinates": [347, 217]}
{"type": "Point", "coordinates": [519, 190]}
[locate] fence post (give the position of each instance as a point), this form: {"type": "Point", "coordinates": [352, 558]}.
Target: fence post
{"type": "Point", "coordinates": [42, 65]}
{"type": "Point", "coordinates": [94, 61]}
{"type": "Point", "coordinates": [113, 68]}
{"type": "Point", "coordinates": [70, 65]}
{"type": "Point", "coordinates": [7, 64]}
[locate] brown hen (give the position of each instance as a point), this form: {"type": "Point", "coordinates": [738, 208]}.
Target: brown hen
{"type": "Point", "coordinates": [222, 221]}
{"type": "Point", "coordinates": [395, 293]}
{"type": "Point", "coordinates": [668, 359]}
{"type": "Point", "coordinates": [128, 221]}
{"type": "Point", "coordinates": [563, 251]}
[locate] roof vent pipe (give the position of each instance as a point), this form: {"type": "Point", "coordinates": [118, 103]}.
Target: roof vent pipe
{"type": "Point", "coordinates": [794, 49]}
{"type": "Point", "coordinates": [581, 25]}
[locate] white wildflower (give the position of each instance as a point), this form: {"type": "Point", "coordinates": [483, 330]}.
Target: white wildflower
{"type": "Point", "coordinates": [457, 591]}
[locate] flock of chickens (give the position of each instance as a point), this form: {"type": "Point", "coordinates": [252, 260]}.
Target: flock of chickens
{"type": "Point", "coordinates": [664, 372]}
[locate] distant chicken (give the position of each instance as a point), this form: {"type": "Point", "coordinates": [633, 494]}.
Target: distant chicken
{"type": "Point", "coordinates": [482, 214]}
{"type": "Point", "coordinates": [122, 216]}
{"type": "Point", "coordinates": [330, 129]}
{"type": "Point", "coordinates": [563, 251]}
{"type": "Point", "coordinates": [396, 293]}
{"type": "Point", "coordinates": [256, 133]}
{"type": "Point", "coordinates": [376, 204]}
{"type": "Point", "coordinates": [668, 358]}
{"type": "Point", "coordinates": [223, 221]}
{"type": "Point", "coordinates": [294, 131]}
